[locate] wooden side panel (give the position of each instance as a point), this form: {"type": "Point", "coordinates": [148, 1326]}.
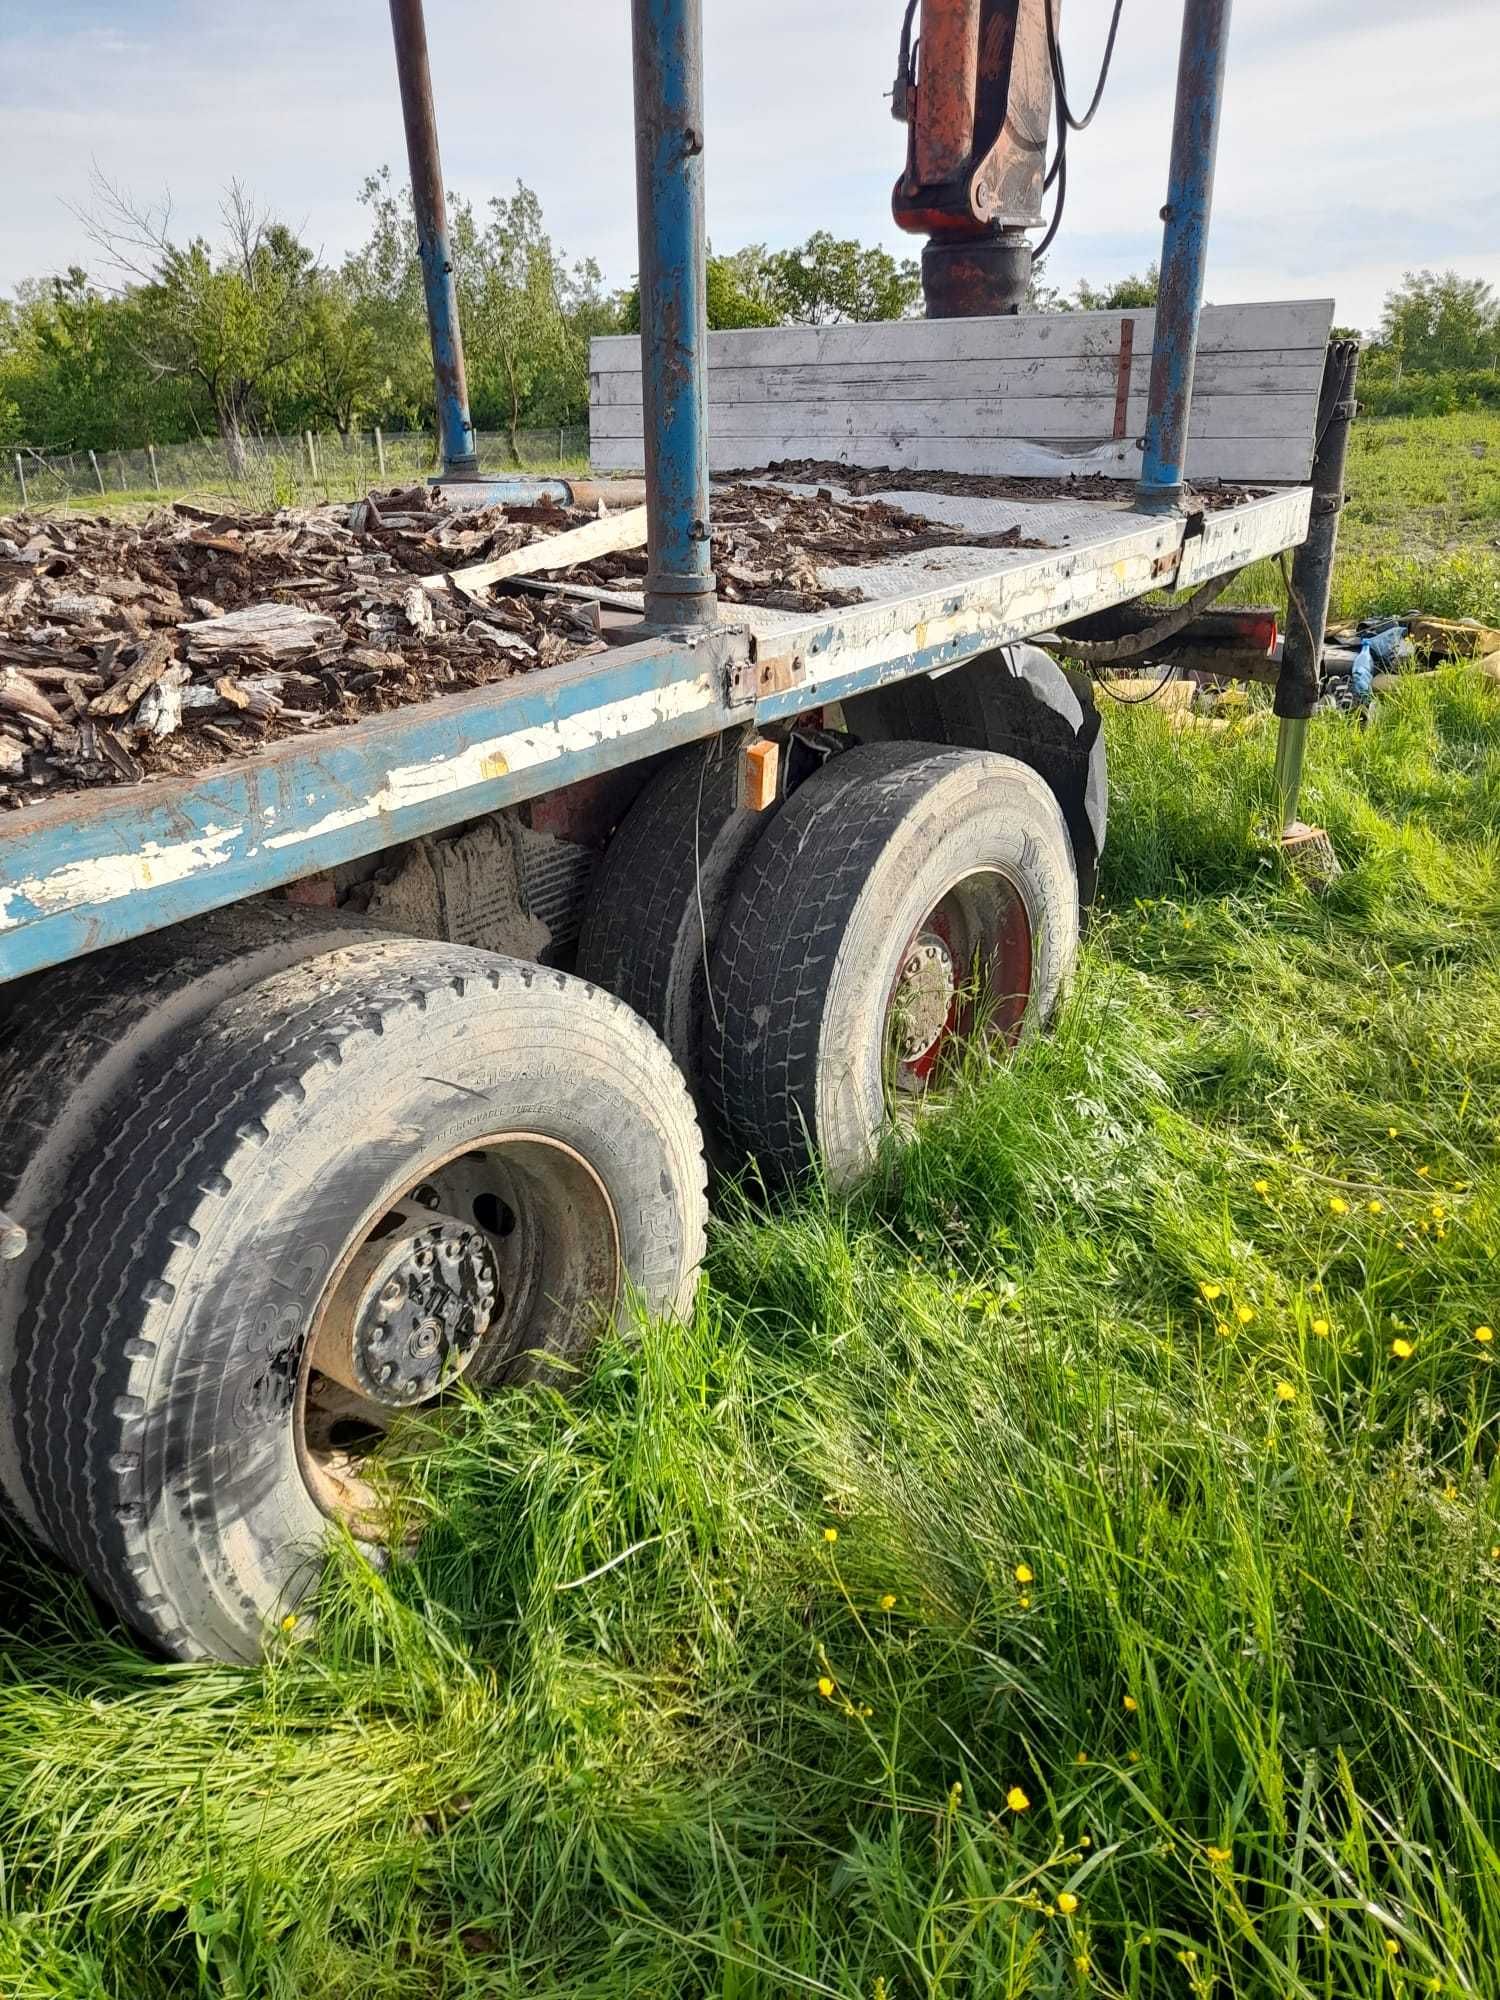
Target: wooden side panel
{"type": "Point", "coordinates": [1031, 394]}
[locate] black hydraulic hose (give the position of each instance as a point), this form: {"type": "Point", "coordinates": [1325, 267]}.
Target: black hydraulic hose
{"type": "Point", "coordinates": [1059, 82]}
{"type": "Point", "coordinates": [1103, 651]}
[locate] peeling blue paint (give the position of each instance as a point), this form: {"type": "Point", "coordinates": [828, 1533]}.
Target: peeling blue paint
{"type": "Point", "coordinates": [667, 44]}
{"type": "Point", "coordinates": [1184, 252]}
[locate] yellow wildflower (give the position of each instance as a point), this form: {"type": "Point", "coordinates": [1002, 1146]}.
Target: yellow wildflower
{"type": "Point", "coordinates": [1017, 1800]}
{"type": "Point", "coordinates": [1024, 1574]}
{"type": "Point", "coordinates": [1285, 1392]}
{"type": "Point", "coordinates": [1402, 1349]}
{"type": "Point", "coordinates": [1134, 1757]}
{"type": "Point", "coordinates": [825, 1686]}
{"type": "Point", "coordinates": [888, 1602]}
{"type": "Point", "coordinates": [1339, 1205]}
{"type": "Point", "coordinates": [1218, 1855]}
{"type": "Point", "coordinates": [1244, 1314]}
{"type": "Point", "coordinates": [1376, 1207]}
{"type": "Point", "coordinates": [830, 1534]}
{"type": "Point", "coordinates": [1082, 1757]}
{"type": "Point", "coordinates": [1484, 1335]}
{"type": "Point", "coordinates": [1391, 1132]}
{"type": "Point", "coordinates": [1211, 1292]}
{"type": "Point", "coordinates": [1024, 1602]}
{"type": "Point", "coordinates": [1262, 1187]}
{"type": "Point", "coordinates": [1131, 1704]}
{"type": "Point", "coordinates": [1081, 1963]}
{"type": "Point", "coordinates": [1320, 1328]}
{"type": "Point", "coordinates": [1423, 1172]}
{"type": "Point", "coordinates": [289, 1623]}
{"type": "Point", "coordinates": [1067, 1902]}
{"type": "Point", "coordinates": [1393, 1947]}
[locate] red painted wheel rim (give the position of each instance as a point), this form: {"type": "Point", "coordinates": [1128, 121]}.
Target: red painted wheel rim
{"type": "Point", "coordinates": [965, 969]}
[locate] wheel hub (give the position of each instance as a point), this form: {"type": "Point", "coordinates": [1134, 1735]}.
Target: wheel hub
{"type": "Point", "coordinates": [923, 998]}
{"type": "Point", "coordinates": [412, 1308]}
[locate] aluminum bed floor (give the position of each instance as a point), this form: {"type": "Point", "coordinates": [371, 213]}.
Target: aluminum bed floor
{"type": "Point", "coordinates": [91, 869]}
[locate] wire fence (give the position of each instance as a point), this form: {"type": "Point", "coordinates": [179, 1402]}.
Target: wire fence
{"type": "Point", "coordinates": [277, 471]}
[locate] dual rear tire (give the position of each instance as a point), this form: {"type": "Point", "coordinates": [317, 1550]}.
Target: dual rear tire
{"type": "Point", "coordinates": [319, 1203]}
{"type": "Point", "coordinates": [288, 1176]}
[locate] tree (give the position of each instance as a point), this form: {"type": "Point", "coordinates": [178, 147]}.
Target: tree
{"type": "Point", "coordinates": [234, 323]}
{"type": "Point", "coordinates": [514, 311]}
{"type": "Point", "coordinates": [735, 289]}
{"type": "Point", "coordinates": [1123, 295]}
{"type": "Point", "coordinates": [1433, 322]}
{"type": "Point", "coordinates": [830, 278]}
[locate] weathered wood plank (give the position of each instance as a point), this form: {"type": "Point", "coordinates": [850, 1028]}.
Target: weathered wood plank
{"type": "Point", "coordinates": [1290, 324]}
{"type": "Point", "coordinates": [604, 537]}
{"type": "Point", "coordinates": [1248, 374]}
{"type": "Point", "coordinates": [1040, 418]}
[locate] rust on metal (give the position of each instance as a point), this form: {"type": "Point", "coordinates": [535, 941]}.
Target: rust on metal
{"type": "Point", "coordinates": [1122, 376]}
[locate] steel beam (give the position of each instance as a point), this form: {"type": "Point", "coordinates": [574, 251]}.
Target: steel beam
{"type": "Point", "coordinates": [1184, 249]}
{"type": "Point", "coordinates": [434, 244]}
{"type": "Point", "coordinates": [667, 43]}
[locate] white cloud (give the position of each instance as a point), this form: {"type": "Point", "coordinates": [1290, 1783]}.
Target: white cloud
{"type": "Point", "coordinates": [1358, 139]}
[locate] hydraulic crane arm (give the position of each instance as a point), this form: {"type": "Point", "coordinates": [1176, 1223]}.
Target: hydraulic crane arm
{"type": "Point", "coordinates": [975, 93]}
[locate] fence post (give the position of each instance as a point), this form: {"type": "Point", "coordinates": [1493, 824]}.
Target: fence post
{"type": "Point", "coordinates": [98, 475]}
{"type": "Point", "coordinates": [560, 452]}
{"type": "Point", "coordinates": [21, 480]}
{"type": "Point", "coordinates": [312, 453]}
{"type": "Point", "coordinates": [379, 452]}
{"type": "Point", "coordinates": [124, 481]}
{"type": "Point", "coordinates": [155, 475]}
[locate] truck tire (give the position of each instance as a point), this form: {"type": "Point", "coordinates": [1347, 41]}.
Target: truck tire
{"type": "Point", "coordinates": [902, 897]}
{"type": "Point", "coordinates": [79, 1038]}
{"type": "Point", "coordinates": [335, 1191]}
{"type": "Point", "coordinates": [1016, 700]}
{"type": "Point", "coordinates": [659, 895]}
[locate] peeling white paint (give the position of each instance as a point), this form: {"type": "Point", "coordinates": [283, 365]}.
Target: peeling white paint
{"type": "Point", "coordinates": [104, 880]}
{"type": "Point", "coordinates": [520, 750]}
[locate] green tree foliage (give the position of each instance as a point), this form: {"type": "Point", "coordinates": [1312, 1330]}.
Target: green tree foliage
{"type": "Point", "coordinates": [735, 289]}
{"type": "Point", "coordinates": [1125, 294]}
{"type": "Point", "coordinates": [830, 278]}
{"type": "Point", "coordinates": [1434, 323]}
{"type": "Point", "coordinates": [232, 320]}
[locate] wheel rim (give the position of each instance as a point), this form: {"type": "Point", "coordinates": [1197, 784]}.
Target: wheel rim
{"type": "Point", "coordinates": [486, 1261]}
{"type": "Point", "coordinates": [966, 968]}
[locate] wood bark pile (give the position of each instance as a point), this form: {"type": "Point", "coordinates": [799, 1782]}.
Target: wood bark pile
{"type": "Point", "coordinates": [135, 647]}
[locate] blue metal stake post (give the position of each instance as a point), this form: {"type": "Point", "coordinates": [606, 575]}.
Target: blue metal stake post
{"type": "Point", "coordinates": [1184, 249]}
{"type": "Point", "coordinates": [667, 42]}
{"type": "Point", "coordinates": [435, 246]}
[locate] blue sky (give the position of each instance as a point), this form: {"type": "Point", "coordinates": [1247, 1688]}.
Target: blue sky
{"type": "Point", "coordinates": [1361, 138]}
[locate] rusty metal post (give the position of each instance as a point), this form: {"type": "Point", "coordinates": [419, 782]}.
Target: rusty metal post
{"type": "Point", "coordinates": [667, 49]}
{"type": "Point", "coordinates": [1300, 681]}
{"type": "Point", "coordinates": [435, 246]}
{"type": "Point", "coordinates": [1184, 249]}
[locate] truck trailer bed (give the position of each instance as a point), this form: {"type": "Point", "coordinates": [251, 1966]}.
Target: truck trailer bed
{"type": "Point", "coordinates": [90, 869]}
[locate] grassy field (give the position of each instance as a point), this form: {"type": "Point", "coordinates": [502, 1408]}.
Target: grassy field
{"type": "Point", "coordinates": [1072, 1567]}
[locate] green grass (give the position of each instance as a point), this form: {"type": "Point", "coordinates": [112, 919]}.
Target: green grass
{"type": "Point", "coordinates": [1422, 527]}
{"type": "Point", "coordinates": [1124, 1315]}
